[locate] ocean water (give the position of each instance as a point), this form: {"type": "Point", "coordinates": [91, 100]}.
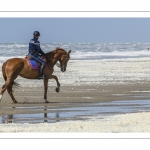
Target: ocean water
{"type": "Point", "coordinates": [90, 63]}
{"type": "Point", "coordinates": [81, 51]}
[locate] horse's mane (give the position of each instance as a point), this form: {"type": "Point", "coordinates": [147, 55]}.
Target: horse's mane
{"type": "Point", "coordinates": [51, 54]}
{"type": "Point", "coordinates": [57, 48]}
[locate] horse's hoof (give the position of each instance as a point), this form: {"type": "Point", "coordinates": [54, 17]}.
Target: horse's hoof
{"type": "Point", "coordinates": [46, 101]}
{"type": "Point", "coordinates": [15, 102]}
{"type": "Point", "coordinates": [57, 89]}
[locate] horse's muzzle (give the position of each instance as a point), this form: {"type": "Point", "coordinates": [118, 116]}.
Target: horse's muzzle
{"type": "Point", "coordinates": [63, 68]}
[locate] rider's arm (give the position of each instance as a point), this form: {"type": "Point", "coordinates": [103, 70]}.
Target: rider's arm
{"type": "Point", "coordinates": [39, 49]}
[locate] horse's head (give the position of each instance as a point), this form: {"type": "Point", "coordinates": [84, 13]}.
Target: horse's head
{"type": "Point", "coordinates": [59, 55]}
{"type": "Point", "coordinates": [63, 61]}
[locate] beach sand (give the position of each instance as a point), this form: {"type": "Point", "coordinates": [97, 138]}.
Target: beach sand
{"type": "Point", "coordinates": [74, 96]}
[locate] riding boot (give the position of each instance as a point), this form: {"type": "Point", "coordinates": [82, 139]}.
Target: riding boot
{"type": "Point", "coordinates": [41, 72]}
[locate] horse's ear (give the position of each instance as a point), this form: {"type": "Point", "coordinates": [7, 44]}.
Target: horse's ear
{"type": "Point", "coordinates": [69, 52]}
{"type": "Point", "coordinates": [57, 48]}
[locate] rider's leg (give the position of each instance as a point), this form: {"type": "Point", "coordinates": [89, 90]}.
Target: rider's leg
{"type": "Point", "coordinates": [39, 59]}
{"type": "Point", "coordinates": [42, 68]}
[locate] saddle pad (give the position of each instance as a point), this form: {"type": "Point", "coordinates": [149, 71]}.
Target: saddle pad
{"type": "Point", "coordinates": [33, 64]}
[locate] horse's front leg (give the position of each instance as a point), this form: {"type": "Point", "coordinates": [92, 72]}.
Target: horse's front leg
{"type": "Point", "coordinates": [45, 90]}
{"type": "Point", "coordinates": [58, 84]}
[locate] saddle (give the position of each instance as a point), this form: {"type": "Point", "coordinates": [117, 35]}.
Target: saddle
{"type": "Point", "coordinates": [34, 64]}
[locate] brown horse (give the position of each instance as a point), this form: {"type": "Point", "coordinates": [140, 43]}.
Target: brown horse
{"type": "Point", "coordinates": [20, 66]}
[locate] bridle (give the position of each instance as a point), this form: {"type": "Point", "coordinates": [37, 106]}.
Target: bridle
{"type": "Point", "coordinates": [60, 65]}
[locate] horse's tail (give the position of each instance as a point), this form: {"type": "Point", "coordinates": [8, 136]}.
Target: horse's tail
{"type": "Point", "coordinates": [15, 85]}
{"type": "Point", "coordinates": [3, 71]}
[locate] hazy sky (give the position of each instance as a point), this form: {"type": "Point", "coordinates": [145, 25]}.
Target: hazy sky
{"type": "Point", "coordinates": [72, 30]}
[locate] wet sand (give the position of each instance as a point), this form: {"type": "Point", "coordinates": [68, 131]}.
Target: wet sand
{"type": "Point", "coordinates": [72, 96]}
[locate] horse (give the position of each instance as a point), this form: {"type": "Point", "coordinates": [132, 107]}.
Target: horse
{"type": "Point", "coordinates": [14, 67]}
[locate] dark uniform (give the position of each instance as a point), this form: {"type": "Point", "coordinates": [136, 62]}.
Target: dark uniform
{"type": "Point", "coordinates": [35, 51]}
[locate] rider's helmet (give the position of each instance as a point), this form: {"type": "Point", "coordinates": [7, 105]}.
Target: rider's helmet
{"type": "Point", "coordinates": [36, 33]}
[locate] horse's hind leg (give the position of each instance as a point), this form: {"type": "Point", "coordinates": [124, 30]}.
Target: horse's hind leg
{"type": "Point", "coordinates": [4, 87]}
{"type": "Point", "coordinates": [11, 70]}
{"type": "Point", "coordinates": [2, 91]}
{"type": "Point", "coordinates": [8, 85]}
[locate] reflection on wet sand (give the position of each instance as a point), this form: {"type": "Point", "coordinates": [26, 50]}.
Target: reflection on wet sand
{"type": "Point", "coordinates": [8, 118]}
{"type": "Point", "coordinates": [57, 117]}
{"type": "Point", "coordinates": [14, 118]}
{"type": "Point", "coordinates": [53, 114]}
{"type": "Point", "coordinates": [45, 114]}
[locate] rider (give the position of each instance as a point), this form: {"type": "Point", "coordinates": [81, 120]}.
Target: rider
{"type": "Point", "coordinates": [35, 51]}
